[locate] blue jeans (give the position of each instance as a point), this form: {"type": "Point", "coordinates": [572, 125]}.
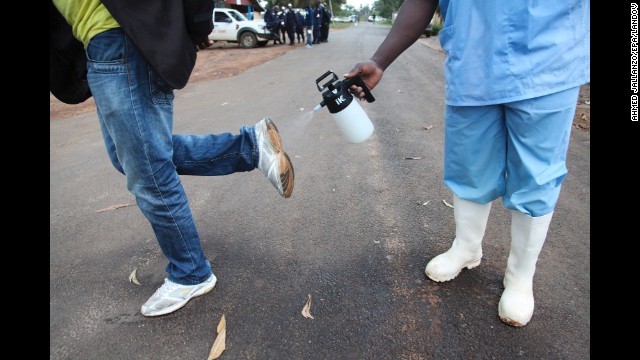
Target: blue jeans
{"type": "Point", "coordinates": [309, 31]}
{"type": "Point", "coordinates": [516, 151]}
{"type": "Point", "coordinates": [135, 110]}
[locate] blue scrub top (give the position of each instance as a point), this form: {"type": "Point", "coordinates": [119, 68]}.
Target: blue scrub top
{"type": "Point", "coordinates": [500, 51]}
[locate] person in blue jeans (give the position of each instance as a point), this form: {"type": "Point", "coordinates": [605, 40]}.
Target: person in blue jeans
{"type": "Point", "coordinates": [309, 22]}
{"type": "Point", "coordinates": [132, 74]}
{"type": "Point", "coordinates": [513, 70]}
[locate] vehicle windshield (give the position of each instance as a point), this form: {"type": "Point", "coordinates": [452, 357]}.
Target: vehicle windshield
{"type": "Point", "coordinates": [237, 16]}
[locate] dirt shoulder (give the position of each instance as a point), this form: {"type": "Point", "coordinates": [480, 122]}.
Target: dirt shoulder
{"type": "Point", "coordinates": [223, 60]}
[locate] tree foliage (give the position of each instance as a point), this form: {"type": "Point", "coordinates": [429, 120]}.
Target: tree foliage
{"type": "Point", "coordinates": [385, 8]}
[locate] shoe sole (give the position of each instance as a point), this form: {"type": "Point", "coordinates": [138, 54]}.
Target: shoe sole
{"type": "Point", "coordinates": [470, 265]}
{"type": "Point", "coordinates": [511, 322]}
{"type": "Point", "coordinates": [183, 303]}
{"type": "Point", "coordinates": [287, 174]}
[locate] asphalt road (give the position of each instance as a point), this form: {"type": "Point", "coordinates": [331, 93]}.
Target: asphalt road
{"type": "Point", "coordinates": [357, 233]}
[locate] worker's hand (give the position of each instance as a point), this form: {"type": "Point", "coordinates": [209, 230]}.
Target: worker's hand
{"type": "Point", "coordinates": [370, 72]}
{"type": "Point", "coordinates": [202, 42]}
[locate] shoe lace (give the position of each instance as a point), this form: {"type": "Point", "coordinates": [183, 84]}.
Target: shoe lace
{"type": "Point", "coordinates": [167, 287]}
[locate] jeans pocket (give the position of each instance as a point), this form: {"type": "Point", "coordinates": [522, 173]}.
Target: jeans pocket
{"type": "Point", "coordinates": [106, 52]}
{"type": "Point", "coordinates": [161, 91]}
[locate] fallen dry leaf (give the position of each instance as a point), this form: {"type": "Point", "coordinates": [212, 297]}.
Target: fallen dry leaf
{"type": "Point", "coordinates": [224, 103]}
{"type": "Point", "coordinates": [426, 203]}
{"type": "Point", "coordinates": [219, 343]}
{"type": "Point", "coordinates": [428, 127]}
{"type": "Point", "coordinates": [446, 203]}
{"type": "Point", "coordinates": [114, 207]}
{"type": "Point", "coordinates": [413, 158]}
{"type": "Point", "coordinates": [307, 308]}
{"type": "Point", "coordinates": [301, 109]}
{"type": "Point", "coordinates": [399, 91]}
{"type": "Point", "coordinates": [133, 278]}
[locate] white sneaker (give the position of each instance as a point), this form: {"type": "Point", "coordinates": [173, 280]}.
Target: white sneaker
{"type": "Point", "coordinates": [273, 162]}
{"type": "Point", "coordinates": [171, 296]}
{"type": "Point", "coordinates": [308, 46]}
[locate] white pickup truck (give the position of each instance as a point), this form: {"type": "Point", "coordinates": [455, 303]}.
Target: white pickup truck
{"type": "Point", "coordinates": [231, 26]}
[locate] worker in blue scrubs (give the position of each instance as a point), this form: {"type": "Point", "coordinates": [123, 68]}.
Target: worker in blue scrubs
{"type": "Point", "coordinates": [513, 71]}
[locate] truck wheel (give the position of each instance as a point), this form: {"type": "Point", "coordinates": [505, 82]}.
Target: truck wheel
{"type": "Point", "coordinates": [248, 40]}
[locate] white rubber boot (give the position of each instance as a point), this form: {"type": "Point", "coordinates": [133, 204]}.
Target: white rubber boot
{"type": "Point", "coordinates": [527, 237]}
{"type": "Point", "coordinates": [466, 249]}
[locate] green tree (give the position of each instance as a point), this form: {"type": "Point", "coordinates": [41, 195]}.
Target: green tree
{"type": "Point", "coordinates": [385, 8]}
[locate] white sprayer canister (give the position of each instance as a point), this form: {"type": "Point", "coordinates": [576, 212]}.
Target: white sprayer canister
{"type": "Point", "coordinates": [354, 123]}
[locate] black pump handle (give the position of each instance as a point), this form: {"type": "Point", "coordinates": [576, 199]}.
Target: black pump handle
{"type": "Point", "coordinates": [318, 80]}
{"type": "Point", "coordinates": [357, 80]}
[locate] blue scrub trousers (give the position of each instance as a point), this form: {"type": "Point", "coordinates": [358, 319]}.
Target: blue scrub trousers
{"type": "Point", "coordinates": [515, 150]}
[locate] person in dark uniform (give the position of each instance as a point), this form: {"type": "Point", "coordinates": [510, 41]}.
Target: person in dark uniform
{"type": "Point", "coordinates": [283, 28]}
{"type": "Point", "coordinates": [326, 21]}
{"type": "Point", "coordinates": [290, 24]}
{"type": "Point", "coordinates": [273, 23]}
{"type": "Point", "coordinates": [299, 26]}
{"type": "Point", "coordinates": [317, 22]}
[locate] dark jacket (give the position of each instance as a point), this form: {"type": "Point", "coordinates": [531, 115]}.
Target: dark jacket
{"type": "Point", "coordinates": [317, 17]}
{"type": "Point", "coordinates": [326, 17]}
{"type": "Point", "coordinates": [67, 61]}
{"type": "Point", "coordinates": [290, 20]}
{"type": "Point", "coordinates": [161, 29]}
{"type": "Point", "coordinates": [272, 20]}
{"type": "Point", "coordinates": [299, 22]}
{"type": "Point", "coordinates": [309, 19]}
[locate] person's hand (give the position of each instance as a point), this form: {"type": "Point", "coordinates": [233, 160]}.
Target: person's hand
{"type": "Point", "coordinates": [202, 42]}
{"type": "Point", "coordinates": [370, 73]}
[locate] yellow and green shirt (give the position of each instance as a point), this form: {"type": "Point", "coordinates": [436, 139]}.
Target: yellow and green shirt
{"type": "Point", "coordinates": [87, 18]}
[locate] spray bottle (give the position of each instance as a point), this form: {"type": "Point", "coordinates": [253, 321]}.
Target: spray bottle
{"type": "Point", "coordinates": [348, 114]}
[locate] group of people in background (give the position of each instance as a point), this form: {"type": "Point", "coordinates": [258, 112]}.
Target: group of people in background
{"type": "Point", "coordinates": [287, 22]}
